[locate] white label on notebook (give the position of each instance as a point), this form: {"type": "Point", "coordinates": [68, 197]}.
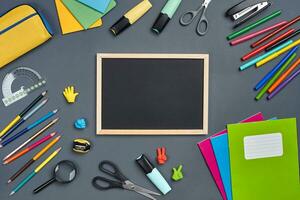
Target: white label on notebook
{"type": "Point", "coordinates": [263, 146]}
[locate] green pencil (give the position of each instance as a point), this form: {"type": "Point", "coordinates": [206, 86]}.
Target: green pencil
{"type": "Point", "coordinates": [253, 25]}
{"type": "Point", "coordinates": [264, 90]}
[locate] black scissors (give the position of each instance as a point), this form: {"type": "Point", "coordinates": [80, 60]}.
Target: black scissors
{"type": "Point", "coordinates": [188, 17]}
{"type": "Point", "coordinates": [122, 182]}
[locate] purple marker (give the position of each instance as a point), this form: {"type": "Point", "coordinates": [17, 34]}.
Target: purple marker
{"type": "Point", "coordinates": [282, 85]}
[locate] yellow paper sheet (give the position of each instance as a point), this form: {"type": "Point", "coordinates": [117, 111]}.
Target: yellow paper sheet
{"type": "Point", "coordinates": [67, 22]}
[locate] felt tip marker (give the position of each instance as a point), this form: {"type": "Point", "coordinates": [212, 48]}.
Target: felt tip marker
{"type": "Point", "coordinates": [131, 17]}
{"type": "Point", "coordinates": [165, 15]}
{"type": "Point", "coordinates": [153, 174]}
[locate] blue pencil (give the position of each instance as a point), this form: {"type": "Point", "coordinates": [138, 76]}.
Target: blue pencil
{"type": "Point", "coordinates": [269, 75]}
{"type": "Point", "coordinates": [28, 128]}
{"type": "Point", "coordinates": [35, 109]}
{"type": "Point", "coordinates": [255, 60]}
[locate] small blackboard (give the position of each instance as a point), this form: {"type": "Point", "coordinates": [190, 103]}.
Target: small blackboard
{"type": "Point", "coordinates": [149, 94]}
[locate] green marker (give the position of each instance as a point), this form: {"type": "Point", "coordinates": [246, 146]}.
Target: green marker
{"type": "Point", "coordinates": [275, 77]}
{"type": "Point", "coordinates": [253, 25]}
{"type": "Point", "coordinates": [165, 15]}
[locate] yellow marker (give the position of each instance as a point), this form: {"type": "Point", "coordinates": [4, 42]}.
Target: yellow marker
{"type": "Point", "coordinates": [32, 174]}
{"type": "Point", "coordinates": [278, 53]}
{"type": "Point", "coordinates": [131, 17]}
{"type": "Point", "coordinates": [10, 125]}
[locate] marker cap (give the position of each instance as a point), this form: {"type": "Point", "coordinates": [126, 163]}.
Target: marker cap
{"type": "Point", "coordinates": [120, 26]}
{"type": "Point", "coordinates": [160, 23]}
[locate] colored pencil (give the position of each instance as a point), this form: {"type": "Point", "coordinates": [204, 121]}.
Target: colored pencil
{"type": "Point", "coordinates": [255, 60]}
{"type": "Point", "coordinates": [269, 75]}
{"type": "Point", "coordinates": [284, 76]}
{"type": "Point", "coordinates": [20, 116]}
{"type": "Point", "coordinates": [32, 138]}
{"type": "Point", "coordinates": [33, 159]}
{"type": "Point", "coordinates": [265, 38]}
{"type": "Point", "coordinates": [257, 33]}
{"type": "Point", "coordinates": [278, 53]}
{"type": "Point", "coordinates": [253, 25]}
{"type": "Point", "coordinates": [274, 78]}
{"type": "Point", "coordinates": [284, 84]}
{"type": "Point", "coordinates": [262, 48]}
{"type": "Point", "coordinates": [283, 40]}
{"type": "Point", "coordinates": [27, 116]}
{"type": "Point", "coordinates": [28, 128]}
{"type": "Point", "coordinates": [29, 148]}
{"type": "Point", "coordinates": [34, 172]}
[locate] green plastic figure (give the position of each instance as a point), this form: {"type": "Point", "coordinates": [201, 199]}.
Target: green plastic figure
{"type": "Point", "coordinates": [177, 173]}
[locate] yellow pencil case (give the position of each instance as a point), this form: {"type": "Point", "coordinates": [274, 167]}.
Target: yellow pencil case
{"type": "Point", "coordinates": [21, 29]}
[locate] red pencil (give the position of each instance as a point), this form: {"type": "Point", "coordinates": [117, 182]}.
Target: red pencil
{"type": "Point", "coordinates": [262, 40]}
{"type": "Point", "coordinates": [31, 147]}
{"type": "Point", "coordinates": [262, 48]}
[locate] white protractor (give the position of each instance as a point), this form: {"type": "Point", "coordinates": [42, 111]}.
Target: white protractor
{"type": "Point", "coordinates": [9, 96]}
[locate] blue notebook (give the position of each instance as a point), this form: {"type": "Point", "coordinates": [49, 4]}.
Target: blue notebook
{"type": "Point", "coordinates": [221, 150]}
{"type": "Point", "coordinates": [98, 5]}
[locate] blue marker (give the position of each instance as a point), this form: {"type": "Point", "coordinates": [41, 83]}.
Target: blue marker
{"type": "Point", "coordinates": [153, 174]}
{"type": "Point", "coordinates": [265, 79]}
{"type": "Point", "coordinates": [252, 62]}
{"type": "Point", "coordinates": [28, 128]}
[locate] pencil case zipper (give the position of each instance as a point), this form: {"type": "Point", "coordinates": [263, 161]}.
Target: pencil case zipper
{"type": "Point", "coordinates": [17, 23]}
{"type": "Point", "coordinates": [45, 22]}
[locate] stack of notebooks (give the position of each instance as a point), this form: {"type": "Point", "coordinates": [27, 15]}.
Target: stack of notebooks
{"type": "Point", "coordinates": [255, 159]}
{"type": "Point", "coordinates": [78, 15]}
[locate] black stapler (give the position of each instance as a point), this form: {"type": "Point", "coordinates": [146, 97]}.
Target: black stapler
{"type": "Point", "coordinates": [246, 9]}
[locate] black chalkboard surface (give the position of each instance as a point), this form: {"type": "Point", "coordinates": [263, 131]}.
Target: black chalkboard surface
{"type": "Point", "coordinates": [152, 94]}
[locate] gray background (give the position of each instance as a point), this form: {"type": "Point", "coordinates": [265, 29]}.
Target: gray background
{"type": "Point", "coordinates": [70, 60]}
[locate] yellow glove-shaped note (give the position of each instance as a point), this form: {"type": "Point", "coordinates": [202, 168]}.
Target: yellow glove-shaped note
{"type": "Point", "coordinates": [70, 94]}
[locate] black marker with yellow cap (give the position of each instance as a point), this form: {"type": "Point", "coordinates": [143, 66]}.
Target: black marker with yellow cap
{"type": "Point", "coordinates": [131, 17]}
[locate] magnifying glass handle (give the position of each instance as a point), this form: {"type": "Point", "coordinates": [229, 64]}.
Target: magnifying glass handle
{"type": "Point", "coordinates": [41, 187]}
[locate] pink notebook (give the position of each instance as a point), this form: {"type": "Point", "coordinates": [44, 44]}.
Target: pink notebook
{"type": "Point", "coordinates": [208, 153]}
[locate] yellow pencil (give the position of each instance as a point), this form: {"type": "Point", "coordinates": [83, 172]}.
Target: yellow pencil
{"type": "Point", "coordinates": [34, 172]}
{"type": "Point", "coordinates": [10, 125]}
{"type": "Point", "coordinates": [278, 53]}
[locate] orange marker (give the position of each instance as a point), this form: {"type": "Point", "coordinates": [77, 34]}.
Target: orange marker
{"type": "Point", "coordinates": [283, 76]}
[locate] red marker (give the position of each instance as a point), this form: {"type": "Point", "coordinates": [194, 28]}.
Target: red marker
{"type": "Point", "coordinates": [262, 48]}
{"type": "Point", "coordinates": [257, 33]}
{"type": "Point", "coordinates": [262, 40]}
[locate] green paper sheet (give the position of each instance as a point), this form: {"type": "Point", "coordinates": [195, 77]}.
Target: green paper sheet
{"type": "Point", "coordinates": [85, 15]}
{"type": "Point", "coordinates": [271, 178]}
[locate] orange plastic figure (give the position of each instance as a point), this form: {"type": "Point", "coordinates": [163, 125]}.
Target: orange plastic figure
{"type": "Point", "coordinates": [161, 155]}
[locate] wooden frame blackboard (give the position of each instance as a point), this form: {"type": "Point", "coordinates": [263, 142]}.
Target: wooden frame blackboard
{"type": "Point", "coordinates": [126, 84]}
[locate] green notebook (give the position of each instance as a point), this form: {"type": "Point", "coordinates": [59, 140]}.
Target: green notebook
{"type": "Point", "coordinates": [264, 160]}
{"type": "Point", "coordinates": [85, 15]}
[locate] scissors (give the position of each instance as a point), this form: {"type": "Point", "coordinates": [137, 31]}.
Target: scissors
{"type": "Point", "coordinates": [188, 17]}
{"type": "Point", "coordinates": [111, 169]}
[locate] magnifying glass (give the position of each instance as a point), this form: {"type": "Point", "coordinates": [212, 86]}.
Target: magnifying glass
{"type": "Point", "coordinates": [64, 172]}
